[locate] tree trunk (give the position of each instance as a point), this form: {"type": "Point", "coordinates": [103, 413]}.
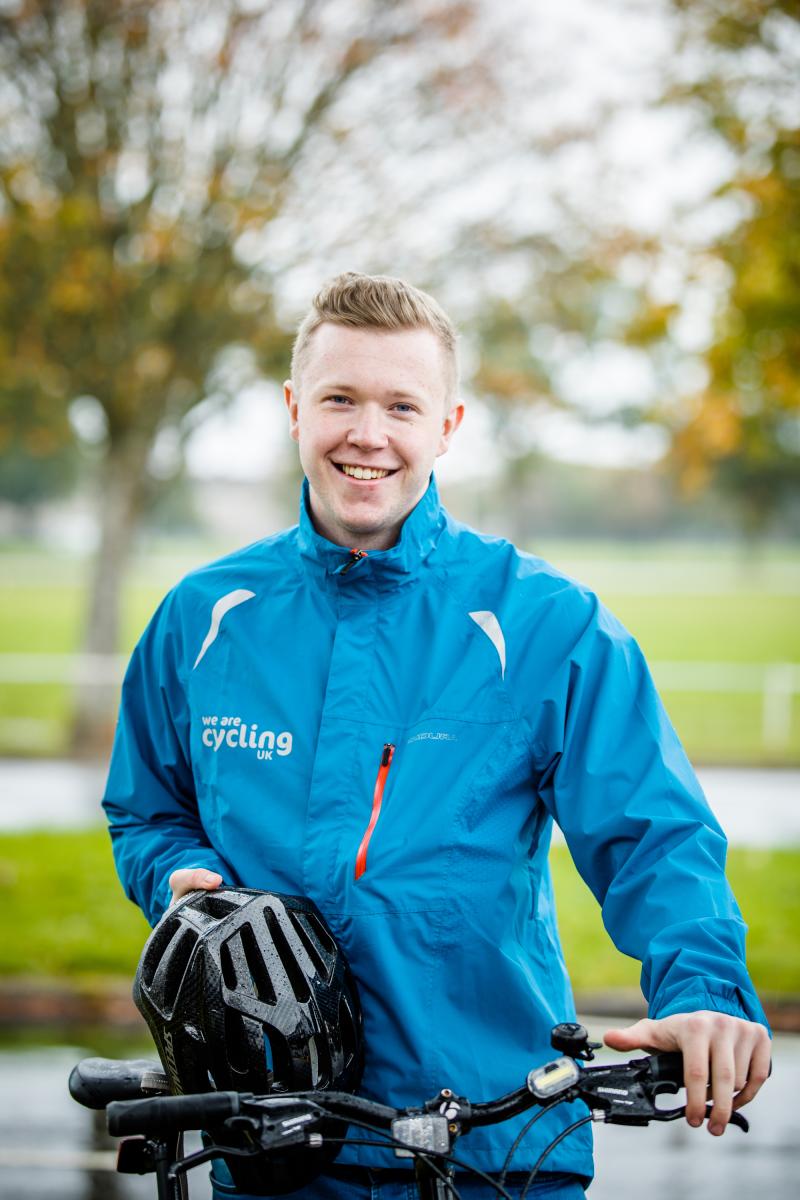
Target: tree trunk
{"type": "Point", "coordinates": [120, 503]}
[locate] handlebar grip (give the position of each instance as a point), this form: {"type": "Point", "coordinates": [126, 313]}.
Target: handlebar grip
{"type": "Point", "coordinates": [95, 1082]}
{"type": "Point", "coordinates": [170, 1114]}
{"type": "Point", "coordinates": [667, 1066]}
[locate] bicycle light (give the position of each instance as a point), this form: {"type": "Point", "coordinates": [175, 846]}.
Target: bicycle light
{"type": "Point", "coordinates": [553, 1079]}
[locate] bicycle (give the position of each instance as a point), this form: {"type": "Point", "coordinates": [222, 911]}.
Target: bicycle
{"type": "Point", "coordinates": [240, 1125]}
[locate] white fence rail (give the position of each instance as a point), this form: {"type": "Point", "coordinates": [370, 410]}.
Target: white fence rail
{"type": "Point", "coordinates": [103, 670]}
{"type": "Point", "coordinates": [777, 683]}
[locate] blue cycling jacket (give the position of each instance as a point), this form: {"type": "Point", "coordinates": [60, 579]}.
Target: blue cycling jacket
{"type": "Point", "coordinates": [393, 735]}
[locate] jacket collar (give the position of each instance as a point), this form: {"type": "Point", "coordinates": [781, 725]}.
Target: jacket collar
{"type": "Point", "coordinates": [418, 535]}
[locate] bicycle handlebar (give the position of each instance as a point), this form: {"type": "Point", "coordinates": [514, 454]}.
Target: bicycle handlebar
{"type": "Point", "coordinates": [241, 1125]}
{"type": "Point", "coordinates": [667, 1065]}
{"type": "Point", "coordinates": [244, 1125]}
{"type": "Point", "coordinates": [621, 1093]}
{"type": "Point", "coordinates": [172, 1114]}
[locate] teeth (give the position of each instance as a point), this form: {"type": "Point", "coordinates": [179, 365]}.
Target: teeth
{"type": "Point", "coordinates": [364, 472]}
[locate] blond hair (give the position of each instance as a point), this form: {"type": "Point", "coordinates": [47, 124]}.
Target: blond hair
{"type": "Point", "coordinates": [377, 302]}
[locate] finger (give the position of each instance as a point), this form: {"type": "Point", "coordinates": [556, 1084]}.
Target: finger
{"type": "Point", "coordinates": [758, 1070]}
{"type": "Point", "coordinates": [639, 1036]}
{"type": "Point", "coordinates": [695, 1048]}
{"type": "Point", "coordinates": [723, 1074]}
{"type": "Point", "coordinates": [742, 1053]}
{"type": "Point", "coordinates": [192, 879]}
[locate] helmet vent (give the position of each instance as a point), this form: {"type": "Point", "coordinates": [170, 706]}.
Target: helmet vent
{"type": "Point", "coordinates": [173, 965]}
{"type": "Point", "coordinates": [294, 972]}
{"type": "Point", "coordinates": [279, 1062]}
{"type": "Point", "coordinates": [321, 933]}
{"type": "Point", "coordinates": [214, 906]}
{"type": "Point", "coordinates": [313, 1060]}
{"type": "Point", "coordinates": [156, 948]}
{"type": "Point", "coordinates": [226, 964]}
{"type": "Point", "coordinates": [254, 957]}
{"type": "Point", "coordinates": [242, 963]}
{"type": "Point", "coordinates": [311, 948]}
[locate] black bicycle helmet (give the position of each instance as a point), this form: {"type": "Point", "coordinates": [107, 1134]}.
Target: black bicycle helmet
{"type": "Point", "coordinates": [248, 991]}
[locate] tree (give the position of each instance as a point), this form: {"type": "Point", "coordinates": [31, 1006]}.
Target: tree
{"type": "Point", "coordinates": [738, 73]}
{"type": "Point", "coordinates": [149, 152]}
{"type": "Point", "coordinates": [708, 299]}
{"type": "Point", "coordinates": [744, 426]}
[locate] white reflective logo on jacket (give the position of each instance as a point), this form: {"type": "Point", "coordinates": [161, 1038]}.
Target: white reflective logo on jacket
{"type": "Point", "coordinates": [237, 734]}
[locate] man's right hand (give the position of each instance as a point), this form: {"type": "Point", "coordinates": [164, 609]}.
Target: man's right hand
{"type": "Point", "coordinates": [192, 879]}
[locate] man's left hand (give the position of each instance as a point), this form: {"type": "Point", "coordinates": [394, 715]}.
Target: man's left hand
{"type": "Point", "coordinates": [726, 1056]}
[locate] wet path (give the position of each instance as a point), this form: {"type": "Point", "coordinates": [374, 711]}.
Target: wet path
{"type": "Point", "coordinates": [50, 1147]}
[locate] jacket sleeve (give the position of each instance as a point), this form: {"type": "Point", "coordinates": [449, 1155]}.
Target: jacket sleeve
{"type": "Point", "coordinates": [641, 832]}
{"type": "Point", "coordinates": [150, 798]}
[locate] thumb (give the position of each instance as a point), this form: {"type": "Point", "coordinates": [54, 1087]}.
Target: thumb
{"type": "Point", "coordinates": [638, 1036]}
{"type": "Point", "coordinates": [190, 879]}
{"type": "Point", "coordinates": [207, 879]}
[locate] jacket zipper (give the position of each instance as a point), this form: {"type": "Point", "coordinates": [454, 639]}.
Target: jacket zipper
{"type": "Point", "coordinates": [355, 556]}
{"type": "Point", "coordinates": [377, 800]}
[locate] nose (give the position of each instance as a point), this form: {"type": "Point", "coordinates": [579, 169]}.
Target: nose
{"type": "Point", "coordinates": [367, 430]}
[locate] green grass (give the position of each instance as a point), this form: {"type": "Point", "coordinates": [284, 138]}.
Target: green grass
{"type": "Point", "coordinates": [741, 627]}
{"type": "Point", "coordinates": [767, 886]}
{"type": "Point", "coordinates": [64, 912]}
{"type": "Point", "coordinates": [738, 628]}
{"type": "Point", "coordinates": [40, 617]}
{"type": "Point", "coordinates": [684, 603]}
{"type": "Point", "coordinates": [64, 915]}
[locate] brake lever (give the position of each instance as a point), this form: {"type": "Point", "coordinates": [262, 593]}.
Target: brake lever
{"type": "Point", "coordinates": [625, 1094]}
{"type": "Point", "coordinates": [674, 1114]}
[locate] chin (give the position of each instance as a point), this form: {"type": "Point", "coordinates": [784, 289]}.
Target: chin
{"type": "Point", "coordinates": [365, 519]}
{"type": "Point", "coordinates": [370, 529]}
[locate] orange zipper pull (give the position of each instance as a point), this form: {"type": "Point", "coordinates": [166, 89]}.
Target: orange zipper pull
{"type": "Point", "coordinates": [355, 556]}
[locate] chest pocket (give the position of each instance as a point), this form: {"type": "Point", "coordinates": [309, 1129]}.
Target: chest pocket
{"type": "Point", "coordinates": [452, 817]}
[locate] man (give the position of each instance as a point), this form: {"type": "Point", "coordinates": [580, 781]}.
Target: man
{"type": "Point", "coordinates": [385, 711]}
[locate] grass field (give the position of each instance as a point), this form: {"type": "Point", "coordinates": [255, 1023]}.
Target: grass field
{"type": "Point", "coordinates": [98, 934]}
{"type": "Point", "coordinates": [684, 603]}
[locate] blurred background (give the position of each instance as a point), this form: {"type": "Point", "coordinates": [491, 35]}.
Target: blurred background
{"type": "Point", "coordinates": [606, 198]}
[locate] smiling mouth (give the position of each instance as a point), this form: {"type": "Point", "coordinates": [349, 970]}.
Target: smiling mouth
{"type": "Point", "coordinates": [368, 473]}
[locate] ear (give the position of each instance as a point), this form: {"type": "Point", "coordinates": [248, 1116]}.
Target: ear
{"type": "Point", "coordinates": [451, 424]}
{"type": "Point", "coordinates": [290, 401]}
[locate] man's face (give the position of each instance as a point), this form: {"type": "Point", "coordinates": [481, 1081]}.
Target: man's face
{"type": "Point", "coordinates": [370, 417]}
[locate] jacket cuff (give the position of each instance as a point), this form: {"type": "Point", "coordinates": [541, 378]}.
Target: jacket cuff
{"type": "Point", "coordinates": [723, 999]}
